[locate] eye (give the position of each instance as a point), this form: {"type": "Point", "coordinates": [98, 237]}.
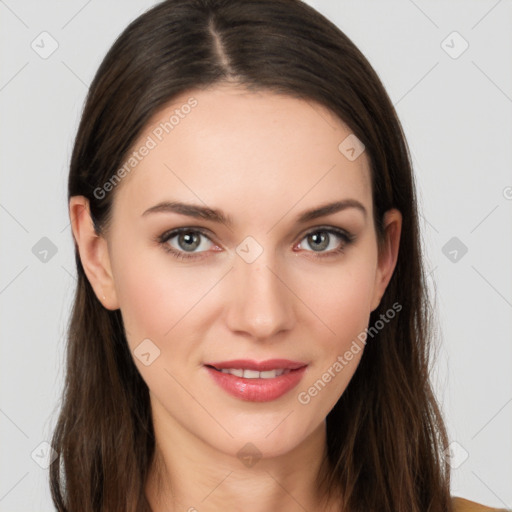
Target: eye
{"type": "Point", "coordinates": [189, 243]}
{"type": "Point", "coordinates": [187, 240]}
{"type": "Point", "coordinates": [328, 241]}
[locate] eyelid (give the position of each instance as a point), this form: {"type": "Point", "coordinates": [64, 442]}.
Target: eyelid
{"type": "Point", "coordinates": [171, 233]}
{"type": "Point", "coordinates": [162, 239]}
{"type": "Point", "coordinates": [208, 234]}
{"type": "Point", "coordinates": [333, 229]}
{"type": "Point", "coordinates": [184, 229]}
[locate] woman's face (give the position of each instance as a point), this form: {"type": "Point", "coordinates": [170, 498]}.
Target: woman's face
{"type": "Point", "coordinates": [267, 282]}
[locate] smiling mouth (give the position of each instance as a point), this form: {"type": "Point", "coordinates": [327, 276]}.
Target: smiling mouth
{"type": "Point", "coordinates": [257, 381]}
{"type": "Point", "coordinates": [253, 374]}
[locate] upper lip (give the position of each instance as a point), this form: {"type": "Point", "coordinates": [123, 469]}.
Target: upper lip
{"type": "Point", "coordinates": [260, 366]}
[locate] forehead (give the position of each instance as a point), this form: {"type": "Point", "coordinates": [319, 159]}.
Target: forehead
{"type": "Point", "coordinates": [251, 149]}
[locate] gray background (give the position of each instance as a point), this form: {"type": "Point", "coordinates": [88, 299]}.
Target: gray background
{"type": "Point", "coordinates": [456, 111]}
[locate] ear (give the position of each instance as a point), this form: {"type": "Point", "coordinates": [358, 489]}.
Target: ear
{"type": "Point", "coordinates": [388, 254]}
{"type": "Point", "coordinates": [93, 250]}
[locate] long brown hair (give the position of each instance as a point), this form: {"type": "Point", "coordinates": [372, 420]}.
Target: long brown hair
{"type": "Point", "coordinates": [385, 435]}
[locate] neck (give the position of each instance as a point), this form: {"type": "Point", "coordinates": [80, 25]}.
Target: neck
{"type": "Point", "coordinates": [190, 475]}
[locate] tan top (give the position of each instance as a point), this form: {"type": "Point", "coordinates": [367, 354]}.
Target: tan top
{"type": "Point", "coordinates": [463, 505]}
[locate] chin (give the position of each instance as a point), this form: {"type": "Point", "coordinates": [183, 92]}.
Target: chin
{"type": "Point", "coordinates": [263, 435]}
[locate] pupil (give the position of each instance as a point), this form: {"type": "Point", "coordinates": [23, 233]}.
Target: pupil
{"type": "Point", "coordinates": [320, 237]}
{"type": "Point", "coordinates": [188, 238]}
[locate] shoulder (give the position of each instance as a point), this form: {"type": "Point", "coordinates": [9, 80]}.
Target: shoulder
{"type": "Point", "coordinates": [463, 505]}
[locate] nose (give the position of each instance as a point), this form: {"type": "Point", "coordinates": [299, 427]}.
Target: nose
{"type": "Point", "coordinates": [260, 302]}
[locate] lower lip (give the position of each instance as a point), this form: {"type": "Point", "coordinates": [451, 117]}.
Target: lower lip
{"type": "Point", "coordinates": [257, 390]}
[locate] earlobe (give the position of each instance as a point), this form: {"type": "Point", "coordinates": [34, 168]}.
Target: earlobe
{"type": "Point", "coordinates": [93, 250]}
{"type": "Point", "coordinates": [388, 255]}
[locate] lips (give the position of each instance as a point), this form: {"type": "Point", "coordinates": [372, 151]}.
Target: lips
{"type": "Point", "coordinates": [254, 374]}
{"type": "Point", "coordinates": [257, 381]}
{"type": "Point", "coordinates": [261, 366]}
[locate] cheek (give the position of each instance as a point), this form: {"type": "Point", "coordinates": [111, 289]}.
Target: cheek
{"type": "Point", "coordinates": [345, 303]}
{"type": "Point", "coordinates": [156, 299]}
{"type": "Point", "coordinates": [154, 293]}
{"type": "Point", "coordinates": [340, 296]}
{"type": "Point", "coordinates": [141, 297]}
{"type": "Point", "coordinates": [341, 300]}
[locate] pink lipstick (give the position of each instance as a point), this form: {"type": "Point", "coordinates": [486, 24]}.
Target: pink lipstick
{"type": "Point", "coordinates": [255, 381]}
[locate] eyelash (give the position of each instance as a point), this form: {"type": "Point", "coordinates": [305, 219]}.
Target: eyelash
{"type": "Point", "coordinates": [347, 239]}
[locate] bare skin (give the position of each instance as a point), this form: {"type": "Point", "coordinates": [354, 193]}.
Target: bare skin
{"type": "Point", "coordinates": [263, 159]}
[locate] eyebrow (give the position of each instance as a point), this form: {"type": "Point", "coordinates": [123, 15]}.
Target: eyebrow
{"type": "Point", "coordinates": [213, 215]}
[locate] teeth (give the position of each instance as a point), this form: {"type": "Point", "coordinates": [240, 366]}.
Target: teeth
{"type": "Point", "coordinates": [253, 374]}
{"type": "Point", "coordinates": [270, 374]}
